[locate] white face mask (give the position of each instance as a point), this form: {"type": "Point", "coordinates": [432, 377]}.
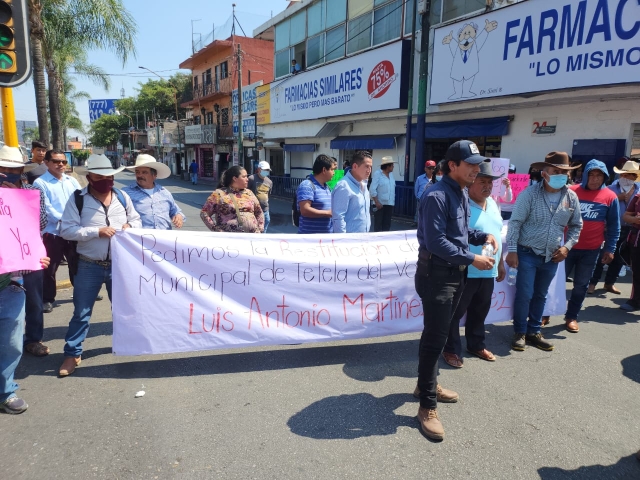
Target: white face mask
{"type": "Point", "coordinates": [626, 184]}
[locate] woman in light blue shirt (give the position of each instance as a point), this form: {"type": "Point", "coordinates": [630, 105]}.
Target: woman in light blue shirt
{"type": "Point", "coordinates": [383, 194]}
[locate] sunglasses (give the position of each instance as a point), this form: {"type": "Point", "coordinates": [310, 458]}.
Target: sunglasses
{"type": "Point", "coordinates": [59, 162]}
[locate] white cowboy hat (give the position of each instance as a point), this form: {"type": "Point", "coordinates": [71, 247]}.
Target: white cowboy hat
{"type": "Point", "coordinates": [144, 160]}
{"type": "Point", "coordinates": [386, 161]}
{"type": "Point", "coordinates": [99, 164]}
{"type": "Point", "coordinates": [629, 167]}
{"type": "Point", "coordinates": [11, 157]}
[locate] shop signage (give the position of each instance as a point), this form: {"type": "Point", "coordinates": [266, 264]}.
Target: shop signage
{"type": "Point", "coordinates": [208, 134]}
{"type": "Point", "coordinates": [193, 134]}
{"type": "Point", "coordinates": [367, 82]}
{"type": "Point", "coordinates": [263, 94]}
{"type": "Point", "coordinates": [544, 126]}
{"type": "Point", "coordinates": [249, 105]}
{"type": "Point", "coordinates": [536, 47]}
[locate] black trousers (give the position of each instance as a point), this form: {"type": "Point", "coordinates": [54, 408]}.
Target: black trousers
{"type": "Point", "coordinates": [635, 271]}
{"type": "Point", "coordinates": [57, 249]}
{"type": "Point", "coordinates": [614, 267]}
{"type": "Point", "coordinates": [476, 303]}
{"type": "Point", "coordinates": [439, 289]}
{"type": "Point", "coordinates": [382, 219]}
{"type": "Point", "coordinates": [34, 317]}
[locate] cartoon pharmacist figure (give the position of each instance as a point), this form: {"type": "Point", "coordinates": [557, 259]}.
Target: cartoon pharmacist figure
{"type": "Point", "coordinates": [465, 50]}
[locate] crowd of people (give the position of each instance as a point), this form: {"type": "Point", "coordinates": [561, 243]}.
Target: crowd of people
{"type": "Point", "coordinates": [587, 225]}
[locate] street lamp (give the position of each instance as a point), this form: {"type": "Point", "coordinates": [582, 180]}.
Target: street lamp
{"type": "Point", "coordinates": [118, 112]}
{"type": "Point", "coordinates": [175, 100]}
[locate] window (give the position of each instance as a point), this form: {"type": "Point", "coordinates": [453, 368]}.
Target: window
{"type": "Point", "coordinates": [316, 18]}
{"type": "Point", "coordinates": [315, 50]}
{"type": "Point", "coordinates": [336, 12]}
{"type": "Point", "coordinates": [408, 9]}
{"type": "Point", "coordinates": [335, 43]}
{"type": "Point", "coordinates": [386, 22]}
{"type": "Point", "coordinates": [224, 70]}
{"type": "Point", "coordinates": [282, 63]}
{"type": "Point", "coordinates": [282, 35]}
{"type": "Point", "coordinates": [196, 120]}
{"type": "Point", "coordinates": [225, 116]}
{"type": "Point", "coordinates": [209, 118]}
{"type": "Point", "coordinates": [359, 33]}
{"type": "Point", "coordinates": [298, 28]}
{"type": "Point", "coordinates": [195, 82]}
{"type": "Point", "coordinates": [358, 7]}
{"type": "Point", "coordinates": [457, 8]}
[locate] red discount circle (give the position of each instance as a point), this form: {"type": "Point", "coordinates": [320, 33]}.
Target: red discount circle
{"type": "Point", "coordinates": [380, 79]}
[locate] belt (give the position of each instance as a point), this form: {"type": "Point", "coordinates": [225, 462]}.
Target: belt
{"type": "Point", "coordinates": [102, 263]}
{"type": "Point", "coordinates": [424, 255]}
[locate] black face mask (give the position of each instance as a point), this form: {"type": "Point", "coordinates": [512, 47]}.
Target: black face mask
{"type": "Point", "coordinates": [536, 176]}
{"type": "Point", "coordinates": [10, 177]}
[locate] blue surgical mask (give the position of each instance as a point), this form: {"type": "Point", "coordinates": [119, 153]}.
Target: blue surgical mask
{"type": "Point", "coordinates": [438, 178]}
{"type": "Point", "coordinates": [557, 181]}
{"type": "Point", "coordinates": [264, 173]}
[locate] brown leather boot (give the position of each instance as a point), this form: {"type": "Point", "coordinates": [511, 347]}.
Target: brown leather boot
{"type": "Point", "coordinates": [430, 423]}
{"type": "Point", "coordinates": [442, 395]}
{"type": "Point", "coordinates": [69, 366]}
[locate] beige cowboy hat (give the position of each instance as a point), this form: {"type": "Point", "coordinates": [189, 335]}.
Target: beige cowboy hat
{"type": "Point", "coordinates": [11, 157]}
{"type": "Point", "coordinates": [629, 167]}
{"type": "Point", "coordinates": [145, 160]}
{"type": "Point", "coordinates": [556, 159]}
{"type": "Point", "coordinates": [99, 164]}
{"type": "Point", "coordinates": [386, 161]}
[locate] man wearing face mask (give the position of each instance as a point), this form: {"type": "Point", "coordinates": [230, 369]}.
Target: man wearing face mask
{"type": "Point", "coordinates": [91, 218]}
{"type": "Point", "coordinates": [260, 184]}
{"type": "Point", "coordinates": [536, 244]}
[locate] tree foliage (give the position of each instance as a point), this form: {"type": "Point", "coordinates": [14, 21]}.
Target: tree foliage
{"type": "Point", "coordinates": [81, 155]}
{"type": "Point", "coordinates": [107, 129]}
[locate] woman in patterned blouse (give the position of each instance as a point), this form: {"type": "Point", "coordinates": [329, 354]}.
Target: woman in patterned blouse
{"type": "Point", "coordinates": [233, 207]}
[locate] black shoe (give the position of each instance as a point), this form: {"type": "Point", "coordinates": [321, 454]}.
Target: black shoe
{"type": "Point", "coordinates": [538, 341]}
{"type": "Point", "coordinates": [47, 307]}
{"type": "Point", "coordinates": [98, 298]}
{"type": "Point", "coordinates": [518, 342]}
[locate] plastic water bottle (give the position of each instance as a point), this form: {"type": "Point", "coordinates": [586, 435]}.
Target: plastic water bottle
{"type": "Point", "coordinates": [623, 271]}
{"type": "Point", "coordinates": [512, 275]}
{"type": "Point", "coordinates": [487, 250]}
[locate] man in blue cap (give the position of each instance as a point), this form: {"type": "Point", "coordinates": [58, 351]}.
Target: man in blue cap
{"type": "Point", "coordinates": [444, 236]}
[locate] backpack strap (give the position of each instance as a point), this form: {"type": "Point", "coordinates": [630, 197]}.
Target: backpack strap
{"type": "Point", "coordinates": [79, 200]}
{"type": "Point", "coordinates": [120, 197]}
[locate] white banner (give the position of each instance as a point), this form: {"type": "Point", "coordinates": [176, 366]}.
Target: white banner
{"type": "Point", "coordinates": [367, 82]}
{"type": "Point", "coordinates": [193, 134]}
{"type": "Point", "coordinates": [249, 106]}
{"type": "Point", "coordinates": [179, 291]}
{"type": "Point", "coordinates": [537, 46]}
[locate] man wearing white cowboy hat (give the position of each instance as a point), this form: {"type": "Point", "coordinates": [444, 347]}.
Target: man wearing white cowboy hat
{"type": "Point", "coordinates": [13, 293]}
{"type": "Point", "coordinates": [91, 218]}
{"type": "Point", "coordinates": [58, 187]}
{"type": "Point", "coordinates": [383, 194]}
{"type": "Point", "coordinates": [153, 202]}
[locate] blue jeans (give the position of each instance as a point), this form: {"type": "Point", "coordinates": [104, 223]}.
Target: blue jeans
{"type": "Point", "coordinates": [532, 284]}
{"type": "Point", "coordinates": [584, 262]}
{"type": "Point", "coordinates": [88, 283]}
{"type": "Point", "coordinates": [267, 220]}
{"type": "Point", "coordinates": [11, 330]}
{"type": "Point", "coordinates": [194, 178]}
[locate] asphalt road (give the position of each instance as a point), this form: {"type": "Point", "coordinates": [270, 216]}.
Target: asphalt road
{"type": "Point", "coordinates": [331, 410]}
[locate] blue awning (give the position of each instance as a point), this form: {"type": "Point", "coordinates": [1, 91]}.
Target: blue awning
{"type": "Point", "coordinates": [364, 142]}
{"type": "Point", "coordinates": [300, 147]}
{"type": "Point", "coordinates": [482, 127]}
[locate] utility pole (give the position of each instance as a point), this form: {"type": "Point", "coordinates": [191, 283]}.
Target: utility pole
{"type": "Point", "coordinates": [240, 148]}
{"type": "Point", "coordinates": [407, 148]}
{"type": "Point", "coordinates": [422, 84]}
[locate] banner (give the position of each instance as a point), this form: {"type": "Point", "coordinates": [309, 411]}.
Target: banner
{"type": "Point", "coordinates": [519, 182]}
{"type": "Point", "coordinates": [22, 247]}
{"type": "Point", "coordinates": [368, 82]}
{"type": "Point", "coordinates": [179, 291]}
{"type": "Point", "coordinates": [499, 166]}
{"type": "Point", "coordinates": [249, 105]}
{"type": "Point", "coordinates": [537, 47]}
{"type": "Point", "coordinates": [97, 108]}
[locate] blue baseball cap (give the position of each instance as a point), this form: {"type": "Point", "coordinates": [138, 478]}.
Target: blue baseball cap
{"type": "Point", "coordinates": [466, 151]}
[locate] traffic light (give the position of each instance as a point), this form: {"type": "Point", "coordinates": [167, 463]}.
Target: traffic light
{"type": "Point", "coordinates": [15, 51]}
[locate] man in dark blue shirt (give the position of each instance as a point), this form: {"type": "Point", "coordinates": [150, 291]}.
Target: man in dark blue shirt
{"type": "Point", "coordinates": [444, 237]}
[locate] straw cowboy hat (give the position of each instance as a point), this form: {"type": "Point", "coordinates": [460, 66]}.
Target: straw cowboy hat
{"type": "Point", "coordinates": [99, 164]}
{"type": "Point", "coordinates": [555, 159]}
{"type": "Point", "coordinates": [629, 167]}
{"type": "Point", "coordinates": [386, 161]}
{"type": "Point", "coordinates": [144, 160]}
{"type": "Point", "coordinates": [11, 157]}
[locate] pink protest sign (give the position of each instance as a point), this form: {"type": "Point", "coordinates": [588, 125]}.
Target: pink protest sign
{"type": "Point", "coordinates": [22, 246]}
{"type": "Point", "coordinates": [519, 181]}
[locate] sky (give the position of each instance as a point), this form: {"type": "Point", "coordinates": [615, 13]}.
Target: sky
{"type": "Point", "coordinates": [163, 41]}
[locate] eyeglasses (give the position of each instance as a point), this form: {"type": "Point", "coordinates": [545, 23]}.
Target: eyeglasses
{"type": "Point", "coordinates": [59, 162]}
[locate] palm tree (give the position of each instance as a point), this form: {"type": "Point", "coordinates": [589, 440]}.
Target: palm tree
{"type": "Point", "coordinates": [76, 26]}
{"type": "Point", "coordinates": [39, 83]}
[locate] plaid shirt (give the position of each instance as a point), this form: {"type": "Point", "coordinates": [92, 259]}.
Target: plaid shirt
{"type": "Point", "coordinates": [43, 208]}
{"type": "Point", "coordinates": [533, 224]}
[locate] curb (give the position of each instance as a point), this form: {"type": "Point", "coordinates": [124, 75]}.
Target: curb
{"type": "Point", "coordinates": [62, 284]}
